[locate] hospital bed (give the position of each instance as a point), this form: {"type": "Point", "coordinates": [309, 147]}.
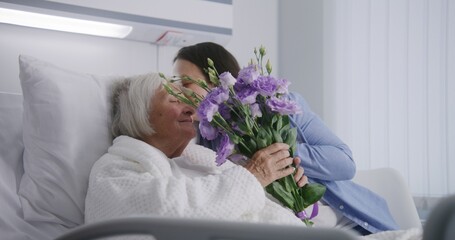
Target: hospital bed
{"type": "Point", "coordinates": [441, 222]}
{"type": "Point", "coordinates": [53, 132]}
{"type": "Point", "coordinates": [175, 229]}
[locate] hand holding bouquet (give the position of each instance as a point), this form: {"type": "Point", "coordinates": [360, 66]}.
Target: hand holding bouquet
{"type": "Point", "coordinates": [248, 114]}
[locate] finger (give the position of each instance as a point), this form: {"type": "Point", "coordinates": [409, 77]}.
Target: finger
{"type": "Point", "coordinates": [264, 154]}
{"type": "Point", "coordinates": [285, 172]}
{"type": "Point", "coordinates": [302, 181]}
{"type": "Point", "coordinates": [276, 147]}
{"type": "Point", "coordinates": [297, 161]}
{"type": "Point", "coordinates": [283, 163]}
{"type": "Point", "coordinates": [281, 154]}
{"type": "Point", "coordinates": [298, 174]}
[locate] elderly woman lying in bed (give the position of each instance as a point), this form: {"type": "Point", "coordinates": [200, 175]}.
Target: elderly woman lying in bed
{"type": "Point", "coordinates": [152, 168]}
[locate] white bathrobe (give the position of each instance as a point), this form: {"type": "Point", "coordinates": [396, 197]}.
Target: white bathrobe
{"type": "Point", "coordinates": [136, 179]}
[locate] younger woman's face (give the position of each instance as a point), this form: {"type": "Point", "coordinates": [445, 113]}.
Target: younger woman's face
{"type": "Point", "coordinates": [184, 68]}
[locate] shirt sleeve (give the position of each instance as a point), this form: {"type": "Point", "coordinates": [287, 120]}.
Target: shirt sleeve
{"type": "Point", "coordinates": [323, 155]}
{"type": "Point", "coordinates": [124, 188]}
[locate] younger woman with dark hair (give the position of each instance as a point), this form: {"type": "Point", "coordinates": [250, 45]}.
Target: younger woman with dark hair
{"type": "Point", "coordinates": [325, 158]}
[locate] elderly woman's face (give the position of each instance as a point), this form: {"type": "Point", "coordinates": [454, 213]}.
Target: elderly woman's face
{"type": "Point", "coordinates": [171, 119]}
{"type": "Point", "coordinates": [184, 68]}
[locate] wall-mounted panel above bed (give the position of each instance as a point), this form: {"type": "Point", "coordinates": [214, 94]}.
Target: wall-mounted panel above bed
{"type": "Point", "coordinates": [167, 22]}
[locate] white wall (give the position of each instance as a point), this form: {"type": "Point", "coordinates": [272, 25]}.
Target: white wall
{"type": "Point", "coordinates": [388, 81]}
{"type": "Point", "coordinates": [248, 32]}
{"type": "Point", "coordinates": [122, 57]}
{"type": "Point", "coordinates": [300, 49]}
{"type": "Point", "coordinates": [255, 24]}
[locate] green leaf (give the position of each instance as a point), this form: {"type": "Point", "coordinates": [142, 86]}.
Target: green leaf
{"type": "Point", "coordinates": [261, 142]}
{"type": "Point", "coordinates": [286, 120]}
{"type": "Point", "coordinates": [311, 193]}
{"type": "Point", "coordinates": [252, 145]}
{"type": "Point", "coordinates": [213, 76]}
{"type": "Point", "coordinates": [277, 136]}
{"type": "Point", "coordinates": [179, 95]}
{"type": "Point", "coordinates": [274, 120]}
{"type": "Point", "coordinates": [248, 125]}
{"type": "Point", "coordinates": [234, 138]}
{"type": "Point", "coordinates": [291, 137]}
{"type": "Point", "coordinates": [292, 150]}
{"type": "Point", "coordinates": [247, 151]}
{"type": "Point", "coordinates": [264, 138]}
{"type": "Point", "coordinates": [279, 123]}
{"type": "Point", "coordinates": [243, 127]}
{"type": "Point", "coordinates": [289, 183]}
{"type": "Point", "coordinates": [308, 222]}
{"type": "Point", "coordinates": [277, 191]}
{"type": "Point", "coordinates": [271, 135]}
{"type": "Point", "coordinates": [284, 134]}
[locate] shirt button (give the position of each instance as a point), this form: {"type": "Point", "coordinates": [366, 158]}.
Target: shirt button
{"type": "Point", "coordinates": [366, 224]}
{"type": "Point", "coordinates": [341, 207]}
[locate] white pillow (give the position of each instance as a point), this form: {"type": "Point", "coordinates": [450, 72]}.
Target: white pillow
{"type": "Point", "coordinates": [66, 129]}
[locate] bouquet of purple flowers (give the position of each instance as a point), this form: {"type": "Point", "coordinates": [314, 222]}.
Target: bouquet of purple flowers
{"type": "Point", "coordinates": [247, 114]}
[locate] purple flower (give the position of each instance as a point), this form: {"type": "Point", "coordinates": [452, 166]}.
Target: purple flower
{"type": "Point", "coordinates": [266, 85]}
{"type": "Point", "coordinates": [283, 85]}
{"type": "Point", "coordinates": [282, 106]}
{"type": "Point", "coordinates": [207, 130]}
{"type": "Point", "coordinates": [218, 95]}
{"type": "Point", "coordinates": [224, 150]}
{"type": "Point", "coordinates": [248, 74]}
{"type": "Point", "coordinates": [207, 109]}
{"type": "Point", "coordinates": [247, 94]}
{"type": "Point", "coordinates": [227, 80]}
{"type": "Point", "coordinates": [255, 110]}
{"type": "Point", "coordinates": [225, 111]}
{"type": "Point", "coordinates": [239, 86]}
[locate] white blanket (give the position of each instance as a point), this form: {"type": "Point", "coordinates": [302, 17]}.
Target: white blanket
{"type": "Point", "coordinates": [134, 178]}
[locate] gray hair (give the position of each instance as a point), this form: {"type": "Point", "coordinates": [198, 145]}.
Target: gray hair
{"type": "Point", "coordinates": [131, 99]}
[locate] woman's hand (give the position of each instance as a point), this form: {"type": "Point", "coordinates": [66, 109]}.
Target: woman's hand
{"type": "Point", "coordinates": [272, 163]}
{"type": "Point", "coordinates": [299, 178]}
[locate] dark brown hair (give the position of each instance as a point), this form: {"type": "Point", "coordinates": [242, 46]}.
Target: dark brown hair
{"type": "Point", "coordinates": [197, 54]}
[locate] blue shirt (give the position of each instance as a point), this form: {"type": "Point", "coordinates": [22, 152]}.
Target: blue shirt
{"type": "Point", "coordinates": [328, 161]}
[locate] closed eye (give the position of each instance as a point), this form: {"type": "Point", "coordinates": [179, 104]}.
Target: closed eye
{"type": "Point", "coordinates": [187, 84]}
{"type": "Point", "coordinates": [174, 100]}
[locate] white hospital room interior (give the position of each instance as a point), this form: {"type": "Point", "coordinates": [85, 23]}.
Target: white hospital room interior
{"type": "Point", "coordinates": [379, 73]}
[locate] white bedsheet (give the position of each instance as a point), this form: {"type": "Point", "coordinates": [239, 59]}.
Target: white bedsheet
{"type": "Point", "coordinates": [12, 225]}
